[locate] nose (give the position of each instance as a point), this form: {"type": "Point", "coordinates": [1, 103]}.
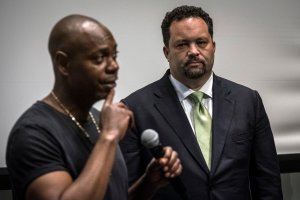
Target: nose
{"type": "Point", "coordinates": [193, 50]}
{"type": "Point", "coordinates": [113, 65]}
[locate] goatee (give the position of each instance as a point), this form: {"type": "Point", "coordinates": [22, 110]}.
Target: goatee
{"type": "Point", "coordinates": [194, 73]}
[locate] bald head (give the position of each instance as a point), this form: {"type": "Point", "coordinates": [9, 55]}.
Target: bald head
{"type": "Point", "coordinates": [67, 33]}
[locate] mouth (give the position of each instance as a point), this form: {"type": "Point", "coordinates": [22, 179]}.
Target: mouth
{"type": "Point", "coordinates": [110, 85]}
{"type": "Point", "coordinates": [107, 85]}
{"type": "Point", "coordinates": [194, 64]}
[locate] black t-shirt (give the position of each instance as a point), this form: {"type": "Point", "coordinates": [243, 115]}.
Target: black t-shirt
{"type": "Point", "coordinates": [44, 140]}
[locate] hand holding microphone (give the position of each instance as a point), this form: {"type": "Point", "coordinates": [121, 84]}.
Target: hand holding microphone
{"type": "Point", "coordinates": [166, 156]}
{"type": "Point", "coordinates": [167, 160]}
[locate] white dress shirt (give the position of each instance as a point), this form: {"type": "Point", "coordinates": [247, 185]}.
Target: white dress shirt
{"type": "Point", "coordinates": [183, 92]}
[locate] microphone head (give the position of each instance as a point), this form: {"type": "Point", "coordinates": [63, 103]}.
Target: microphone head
{"type": "Point", "coordinates": [149, 138]}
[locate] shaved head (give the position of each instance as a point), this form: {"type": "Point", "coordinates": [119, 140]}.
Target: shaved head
{"type": "Point", "coordinates": [67, 33]}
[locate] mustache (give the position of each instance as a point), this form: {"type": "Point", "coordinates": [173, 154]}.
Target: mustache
{"type": "Point", "coordinates": [195, 60]}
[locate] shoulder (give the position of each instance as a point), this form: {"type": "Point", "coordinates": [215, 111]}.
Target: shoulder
{"type": "Point", "coordinates": [232, 87]}
{"type": "Point", "coordinates": [140, 93]}
{"type": "Point", "coordinates": [154, 89]}
{"type": "Point", "coordinates": [223, 82]}
{"type": "Point", "coordinates": [145, 92]}
{"type": "Point", "coordinates": [235, 92]}
{"type": "Point", "coordinates": [31, 139]}
{"type": "Point", "coordinates": [36, 119]}
{"type": "Point", "coordinates": [38, 115]}
{"type": "Point", "coordinates": [38, 125]}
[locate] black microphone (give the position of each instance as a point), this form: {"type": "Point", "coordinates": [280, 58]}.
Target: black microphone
{"type": "Point", "coordinates": [150, 140]}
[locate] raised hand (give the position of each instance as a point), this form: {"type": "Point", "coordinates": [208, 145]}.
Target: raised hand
{"type": "Point", "coordinates": [115, 118]}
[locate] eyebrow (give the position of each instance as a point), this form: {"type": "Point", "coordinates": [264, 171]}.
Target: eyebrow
{"type": "Point", "coordinates": [105, 49]}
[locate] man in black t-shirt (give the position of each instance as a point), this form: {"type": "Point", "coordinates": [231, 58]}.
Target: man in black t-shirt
{"type": "Point", "coordinates": [62, 148]}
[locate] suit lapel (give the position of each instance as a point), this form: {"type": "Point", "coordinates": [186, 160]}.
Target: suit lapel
{"type": "Point", "coordinates": [169, 107]}
{"type": "Point", "coordinates": [223, 108]}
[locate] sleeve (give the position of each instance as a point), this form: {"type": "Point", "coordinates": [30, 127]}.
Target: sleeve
{"type": "Point", "coordinates": [31, 152]}
{"type": "Point", "coordinates": [265, 180]}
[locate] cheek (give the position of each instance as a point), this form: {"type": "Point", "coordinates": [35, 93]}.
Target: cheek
{"type": "Point", "coordinates": [95, 69]}
{"type": "Point", "coordinates": [100, 72]}
{"type": "Point", "coordinates": [211, 57]}
{"type": "Point", "coordinates": [209, 52]}
{"type": "Point", "coordinates": [177, 57]}
{"type": "Point", "coordinates": [208, 55]}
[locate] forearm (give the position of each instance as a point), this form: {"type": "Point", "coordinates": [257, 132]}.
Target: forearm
{"type": "Point", "coordinates": [142, 189]}
{"type": "Point", "coordinates": [93, 180]}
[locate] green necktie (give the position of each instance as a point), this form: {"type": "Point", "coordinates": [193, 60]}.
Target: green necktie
{"type": "Point", "coordinates": [202, 125]}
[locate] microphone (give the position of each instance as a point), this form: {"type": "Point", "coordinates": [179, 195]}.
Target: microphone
{"type": "Point", "coordinates": [150, 140]}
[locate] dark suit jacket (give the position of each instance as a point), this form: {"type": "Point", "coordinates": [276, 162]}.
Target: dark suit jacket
{"type": "Point", "coordinates": [244, 159]}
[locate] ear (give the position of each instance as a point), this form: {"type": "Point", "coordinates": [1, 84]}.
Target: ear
{"type": "Point", "coordinates": [62, 63]}
{"type": "Point", "coordinates": [166, 52]}
{"type": "Point", "coordinates": [214, 44]}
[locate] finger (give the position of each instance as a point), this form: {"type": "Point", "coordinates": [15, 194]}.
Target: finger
{"type": "Point", "coordinates": [177, 172]}
{"type": "Point", "coordinates": [173, 158]}
{"type": "Point", "coordinates": [175, 166]}
{"type": "Point", "coordinates": [172, 161]}
{"type": "Point", "coordinates": [168, 152]}
{"type": "Point", "coordinates": [174, 170]}
{"type": "Point", "coordinates": [122, 105]}
{"type": "Point", "coordinates": [131, 120]}
{"type": "Point", "coordinates": [130, 114]}
{"type": "Point", "coordinates": [167, 155]}
{"type": "Point", "coordinates": [109, 98]}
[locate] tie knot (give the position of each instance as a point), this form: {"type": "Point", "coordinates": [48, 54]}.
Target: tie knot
{"type": "Point", "coordinates": [197, 96]}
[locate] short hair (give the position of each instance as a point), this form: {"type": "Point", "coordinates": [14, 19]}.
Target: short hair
{"type": "Point", "coordinates": [183, 12]}
{"type": "Point", "coordinates": [64, 34]}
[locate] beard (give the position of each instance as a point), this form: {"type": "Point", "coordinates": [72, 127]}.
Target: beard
{"type": "Point", "coordinates": [195, 73]}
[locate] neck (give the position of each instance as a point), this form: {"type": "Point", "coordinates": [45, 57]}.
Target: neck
{"type": "Point", "coordinates": [196, 84]}
{"type": "Point", "coordinates": [77, 119]}
{"type": "Point", "coordinates": [66, 104]}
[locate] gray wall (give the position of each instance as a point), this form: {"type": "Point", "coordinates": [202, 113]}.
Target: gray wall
{"type": "Point", "coordinates": [258, 45]}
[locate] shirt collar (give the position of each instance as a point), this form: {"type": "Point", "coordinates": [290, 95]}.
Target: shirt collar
{"type": "Point", "coordinates": [183, 91]}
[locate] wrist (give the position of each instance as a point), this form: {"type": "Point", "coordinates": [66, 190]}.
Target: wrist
{"type": "Point", "coordinates": [110, 136]}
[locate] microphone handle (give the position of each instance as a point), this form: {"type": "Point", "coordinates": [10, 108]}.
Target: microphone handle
{"type": "Point", "coordinates": [157, 151]}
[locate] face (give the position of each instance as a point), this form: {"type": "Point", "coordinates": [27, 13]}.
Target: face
{"type": "Point", "coordinates": [190, 52]}
{"type": "Point", "coordinates": [94, 66]}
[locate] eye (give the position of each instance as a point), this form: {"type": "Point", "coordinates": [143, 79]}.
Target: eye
{"type": "Point", "coordinates": [201, 43]}
{"type": "Point", "coordinates": [181, 45]}
{"type": "Point", "coordinates": [115, 55]}
{"type": "Point", "coordinates": [99, 58]}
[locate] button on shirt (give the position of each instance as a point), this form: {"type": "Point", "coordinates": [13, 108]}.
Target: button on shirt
{"type": "Point", "coordinates": [183, 92]}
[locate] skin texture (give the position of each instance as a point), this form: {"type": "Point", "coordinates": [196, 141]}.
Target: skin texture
{"type": "Point", "coordinates": [190, 52]}
{"type": "Point", "coordinates": [84, 53]}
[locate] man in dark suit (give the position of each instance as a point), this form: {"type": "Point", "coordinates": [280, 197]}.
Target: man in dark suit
{"type": "Point", "coordinates": [238, 161]}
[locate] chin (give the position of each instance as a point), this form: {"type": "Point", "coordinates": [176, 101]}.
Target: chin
{"type": "Point", "coordinates": [195, 74]}
{"type": "Point", "coordinates": [104, 93]}
{"type": "Point", "coordinates": [100, 96]}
